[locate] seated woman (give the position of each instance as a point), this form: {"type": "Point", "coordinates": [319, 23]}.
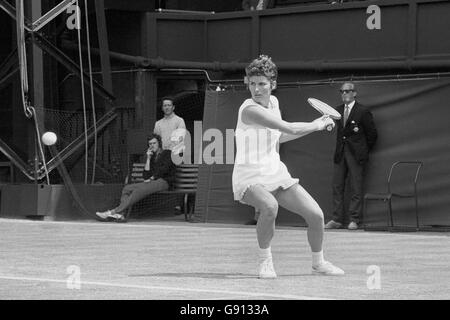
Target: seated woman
{"type": "Point", "coordinates": [159, 175]}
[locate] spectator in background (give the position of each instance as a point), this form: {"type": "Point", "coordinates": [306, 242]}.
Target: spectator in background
{"type": "Point", "coordinates": [172, 130]}
{"type": "Point", "coordinates": [171, 127]}
{"type": "Point", "coordinates": [159, 175]}
{"type": "Point", "coordinates": [254, 4]}
{"type": "Point", "coordinates": [356, 136]}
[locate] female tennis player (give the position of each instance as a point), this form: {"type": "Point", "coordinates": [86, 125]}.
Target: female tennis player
{"type": "Point", "coordinates": [261, 180]}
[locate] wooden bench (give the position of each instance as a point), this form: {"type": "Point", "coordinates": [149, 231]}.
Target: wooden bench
{"type": "Point", "coordinates": [185, 184]}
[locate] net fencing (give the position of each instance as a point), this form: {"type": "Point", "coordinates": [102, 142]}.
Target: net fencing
{"type": "Point", "coordinates": [110, 163]}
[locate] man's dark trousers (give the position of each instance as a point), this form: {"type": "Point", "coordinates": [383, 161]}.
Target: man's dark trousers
{"type": "Point", "coordinates": [347, 165]}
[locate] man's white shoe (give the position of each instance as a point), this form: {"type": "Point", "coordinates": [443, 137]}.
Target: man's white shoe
{"type": "Point", "coordinates": [327, 269]}
{"type": "Point", "coordinates": [266, 269]}
{"type": "Point", "coordinates": [104, 215]}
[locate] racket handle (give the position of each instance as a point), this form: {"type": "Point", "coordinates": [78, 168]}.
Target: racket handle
{"type": "Point", "coordinates": [330, 127]}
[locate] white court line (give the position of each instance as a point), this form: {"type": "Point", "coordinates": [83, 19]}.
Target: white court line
{"type": "Point", "coordinates": [87, 223]}
{"type": "Point", "coordinates": [133, 286]}
{"type": "Point", "coordinates": [203, 226]}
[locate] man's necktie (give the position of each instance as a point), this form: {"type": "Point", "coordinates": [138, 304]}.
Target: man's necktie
{"type": "Point", "coordinates": [346, 112]}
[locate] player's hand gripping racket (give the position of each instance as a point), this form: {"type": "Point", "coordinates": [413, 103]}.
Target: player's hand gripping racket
{"type": "Point", "coordinates": [325, 109]}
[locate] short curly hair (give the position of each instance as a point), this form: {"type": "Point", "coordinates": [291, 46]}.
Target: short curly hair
{"type": "Point", "coordinates": [155, 136]}
{"type": "Point", "coordinates": [262, 66]}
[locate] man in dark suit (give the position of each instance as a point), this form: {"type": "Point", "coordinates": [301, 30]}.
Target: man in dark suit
{"type": "Point", "coordinates": [356, 136]}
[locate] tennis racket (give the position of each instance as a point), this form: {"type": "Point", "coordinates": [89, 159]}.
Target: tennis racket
{"type": "Point", "coordinates": [324, 109]}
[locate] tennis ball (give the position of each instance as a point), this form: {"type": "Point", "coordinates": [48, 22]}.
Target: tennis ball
{"type": "Point", "coordinates": [49, 138]}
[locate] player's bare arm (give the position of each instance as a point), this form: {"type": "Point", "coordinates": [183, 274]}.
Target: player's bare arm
{"type": "Point", "coordinates": [258, 115]}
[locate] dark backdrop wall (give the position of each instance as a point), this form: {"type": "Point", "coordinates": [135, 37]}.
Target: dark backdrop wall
{"type": "Point", "coordinates": [411, 120]}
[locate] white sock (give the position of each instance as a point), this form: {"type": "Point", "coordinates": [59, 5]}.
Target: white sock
{"type": "Point", "coordinates": [317, 258]}
{"type": "Point", "coordinates": [265, 254]}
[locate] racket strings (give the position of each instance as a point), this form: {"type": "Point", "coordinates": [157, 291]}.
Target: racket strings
{"type": "Point", "coordinates": [324, 108]}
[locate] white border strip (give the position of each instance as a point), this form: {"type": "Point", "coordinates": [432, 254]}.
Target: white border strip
{"type": "Point", "coordinates": [203, 225]}
{"type": "Point", "coordinates": [142, 287]}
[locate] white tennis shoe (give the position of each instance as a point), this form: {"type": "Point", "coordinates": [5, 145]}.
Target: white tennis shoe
{"type": "Point", "coordinates": [327, 269]}
{"type": "Point", "coordinates": [104, 215]}
{"type": "Point", "coordinates": [266, 269]}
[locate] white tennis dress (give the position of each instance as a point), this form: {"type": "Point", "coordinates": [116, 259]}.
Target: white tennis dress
{"type": "Point", "coordinates": [257, 158]}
